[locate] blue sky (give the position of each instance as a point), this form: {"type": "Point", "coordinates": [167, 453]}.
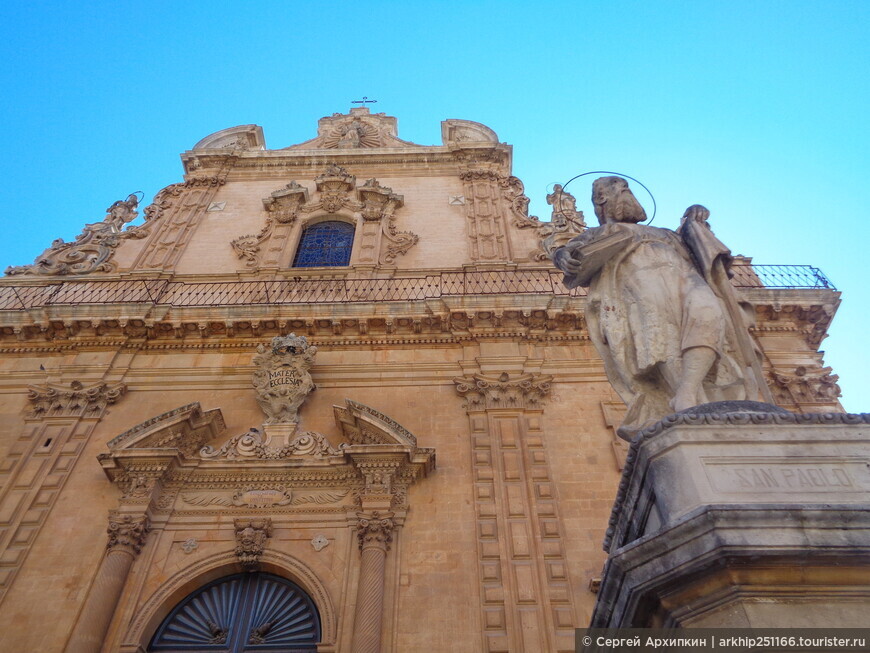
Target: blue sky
{"type": "Point", "coordinates": [756, 109]}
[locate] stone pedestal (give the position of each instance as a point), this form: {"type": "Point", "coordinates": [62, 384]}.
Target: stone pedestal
{"type": "Point", "coordinates": [741, 514]}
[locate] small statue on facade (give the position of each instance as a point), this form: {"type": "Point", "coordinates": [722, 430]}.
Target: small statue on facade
{"type": "Point", "coordinates": [661, 310]}
{"type": "Point", "coordinates": [565, 223]}
{"type": "Point", "coordinates": [282, 379]}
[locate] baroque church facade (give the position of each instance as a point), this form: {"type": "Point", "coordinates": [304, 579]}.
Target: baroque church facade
{"type": "Point", "coordinates": [328, 397]}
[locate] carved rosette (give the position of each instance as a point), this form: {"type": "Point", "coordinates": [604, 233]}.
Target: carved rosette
{"type": "Point", "coordinates": [251, 536]}
{"type": "Point", "coordinates": [375, 530]}
{"type": "Point", "coordinates": [127, 532]}
{"type": "Point", "coordinates": [75, 401]}
{"type": "Point", "coordinates": [282, 380]}
{"type": "Point", "coordinates": [482, 392]}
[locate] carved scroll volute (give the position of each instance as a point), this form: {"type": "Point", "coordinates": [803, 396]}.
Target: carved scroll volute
{"type": "Point", "coordinates": [92, 249]}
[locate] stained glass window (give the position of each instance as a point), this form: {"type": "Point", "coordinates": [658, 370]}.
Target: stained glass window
{"type": "Point", "coordinates": [241, 613]}
{"type": "Point", "coordinates": [325, 244]}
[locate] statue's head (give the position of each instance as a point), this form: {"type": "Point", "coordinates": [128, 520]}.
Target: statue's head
{"type": "Point", "coordinates": [614, 202]}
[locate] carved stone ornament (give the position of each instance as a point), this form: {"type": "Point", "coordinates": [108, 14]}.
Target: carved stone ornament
{"type": "Point", "coordinates": [336, 191]}
{"type": "Point", "coordinates": [483, 392]}
{"type": "Point", "coordinates": [319, 542]}
{"type": "Point", "coordinates": [127, 532]}
{"type": "Point", "coordinates": [282, 380]}
{"type": "Point", "coordinates": [806, 386]}
{"type": "Point", "coordinates": [253, 497]}
{"type": "Point", "coordinates": [251, 445]}
{"type": "Point", "coordinates": [375, 530]}
{"type": "Point", "coordinates": [74, 400]}
{"type": "Point", "coordinates": [566, 221]}
{"type": "Point", "coordinates": [190, 545]}
{"type": "Point", "coordinates": [92, 249]}
{"type": "Point", "coordinates": [251, 536]}
{"type": "Point", "coordinates": [359, 129]}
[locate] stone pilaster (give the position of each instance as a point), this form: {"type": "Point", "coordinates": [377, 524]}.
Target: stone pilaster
{"type": "Point", "coordinates": [375, 533]}
{"type": "Point", "coordinates": [57, 428]}
{"type": "Point", "coordinates": [127, 535]}
{"type": "Point", "coordinates": [526, 597]}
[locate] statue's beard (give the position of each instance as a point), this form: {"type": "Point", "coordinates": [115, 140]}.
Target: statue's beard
{"type": "Point", "coordinates": [625, 208]}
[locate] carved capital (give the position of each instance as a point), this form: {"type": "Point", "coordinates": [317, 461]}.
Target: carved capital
{"type": "Point", "coordinates": [483, 392]}
{"type": "Point", "coordinates": [375, 530]}
{"type": "Point", "coordinates": [251, 536]}
{"type": "Point", "coordinates": [805, 385]}
{"type": "Point", "coordinates": [74, 401]}
{"type": "Point", "coordinates": [127, 532]}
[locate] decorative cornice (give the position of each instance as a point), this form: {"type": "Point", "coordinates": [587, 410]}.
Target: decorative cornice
{"type": "Point", "coordinates": [483, 392]}
{"type": "Point", "coordinates": [52, 400]}
{"type": "Point", "coordinates": [127, 532]}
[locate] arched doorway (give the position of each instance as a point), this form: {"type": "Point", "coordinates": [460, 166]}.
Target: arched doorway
{"type": "Point", "coordinates": [243, 612]}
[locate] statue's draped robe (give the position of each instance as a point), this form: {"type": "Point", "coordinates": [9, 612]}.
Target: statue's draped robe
{"type": "Point", "coordinates": [646, 306]}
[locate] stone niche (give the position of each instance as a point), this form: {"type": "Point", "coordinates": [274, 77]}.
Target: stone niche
{"type": "Point", "coordinates": [741, 519]}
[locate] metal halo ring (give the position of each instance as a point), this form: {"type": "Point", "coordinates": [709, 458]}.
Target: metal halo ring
{"type": "Point", "coordinates": [618, 174]}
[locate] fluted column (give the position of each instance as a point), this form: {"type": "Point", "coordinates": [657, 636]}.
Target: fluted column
{"type": "Point", "coordinates": [126, 536]}
{"type": "Point", "coordinates": [375, 532]}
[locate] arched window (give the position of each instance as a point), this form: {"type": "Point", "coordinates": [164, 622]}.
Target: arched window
{"type": "Point", "coordinates": [244, 612]}
{"type": "Point", "coordinates": [325, 244]}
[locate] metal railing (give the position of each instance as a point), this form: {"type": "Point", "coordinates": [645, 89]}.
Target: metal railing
{"type": "Point", "coordinates": [341, 290]}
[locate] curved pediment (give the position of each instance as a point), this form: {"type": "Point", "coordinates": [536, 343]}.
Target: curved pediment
{"type": "Point", "coordinates": [243, 137]}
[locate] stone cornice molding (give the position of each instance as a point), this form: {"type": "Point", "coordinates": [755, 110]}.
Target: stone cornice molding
{"type": "Point", "coordinates": [484, 392]}
{"type": "Point", "coordinates": [57, 401]}
{"type": "Point", "coordinates": [127, 532]}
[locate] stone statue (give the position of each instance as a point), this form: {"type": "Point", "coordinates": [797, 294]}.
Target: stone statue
{"type": "Point", "coordinates": [661, 310]}
{"type": "Point", "coordinates": [565, 213]}
{"type": "Point", "coordinates": [282, 379]}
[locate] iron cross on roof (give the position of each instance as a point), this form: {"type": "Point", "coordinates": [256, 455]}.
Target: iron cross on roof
{"type": "Point", "coordinates": [364, 101]}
